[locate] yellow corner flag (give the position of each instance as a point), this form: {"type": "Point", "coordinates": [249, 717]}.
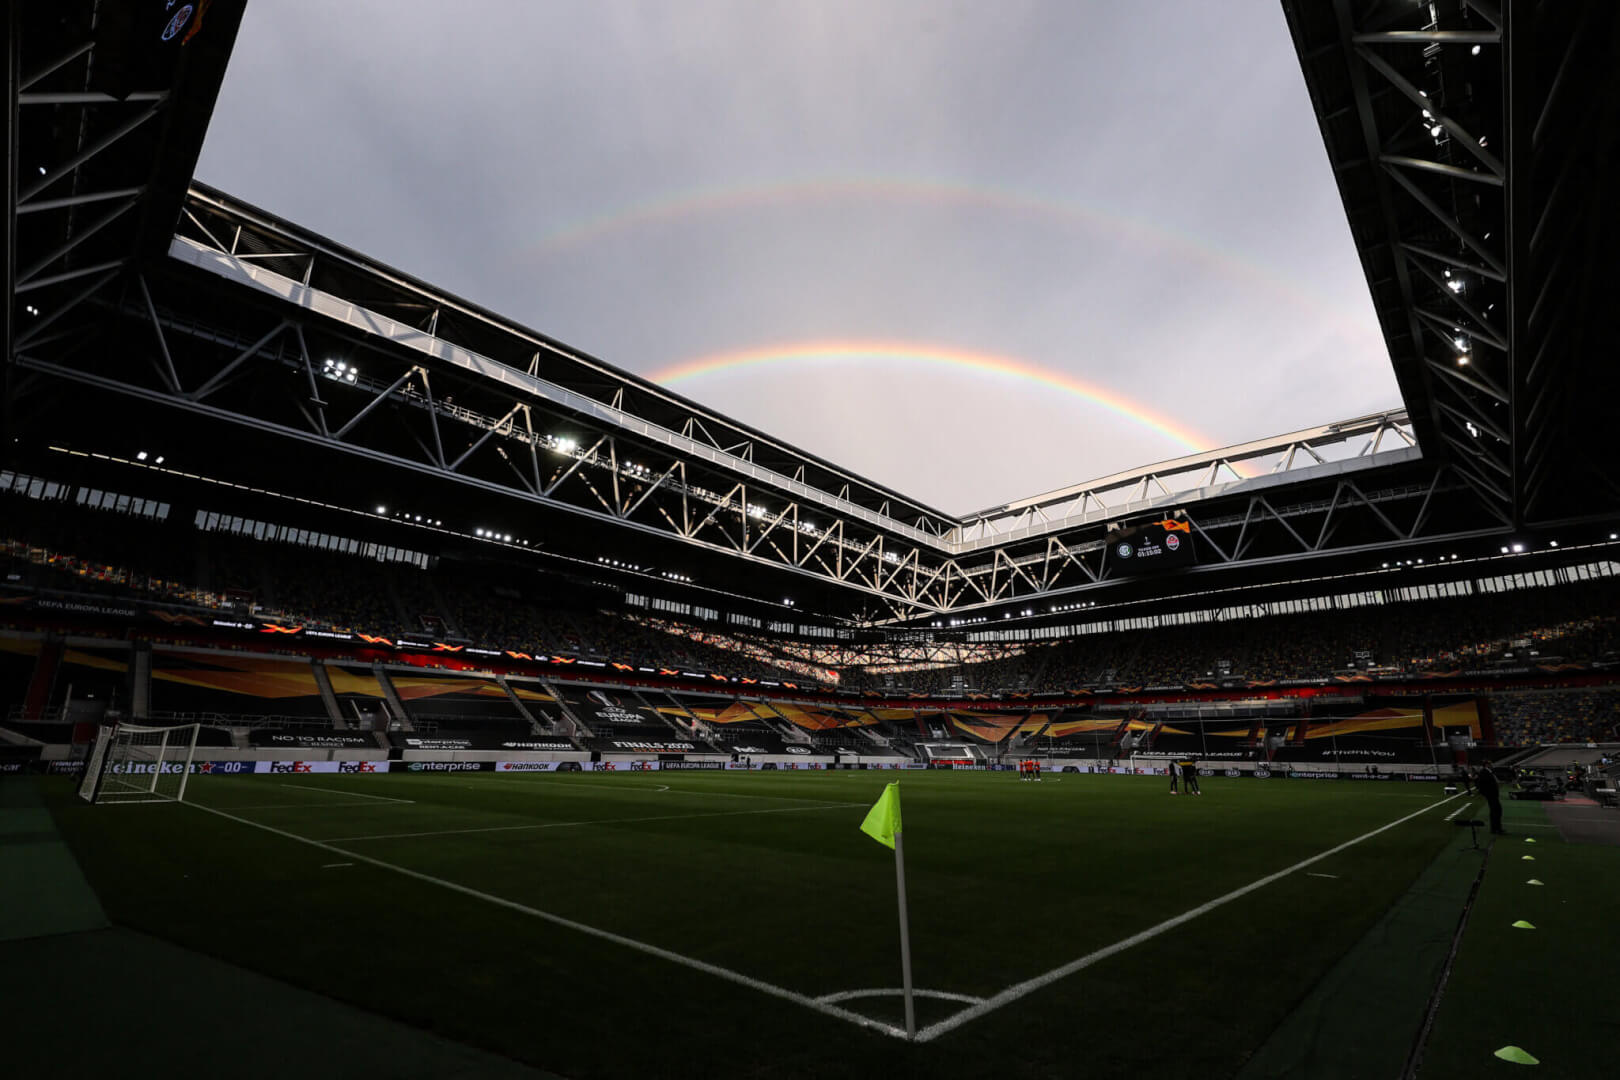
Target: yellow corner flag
{"type": "Point", "coordinates": [883, 820]}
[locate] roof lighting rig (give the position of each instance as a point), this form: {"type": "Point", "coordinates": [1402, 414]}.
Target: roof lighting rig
{"type": "Point", "coordinates": [1471, 140]}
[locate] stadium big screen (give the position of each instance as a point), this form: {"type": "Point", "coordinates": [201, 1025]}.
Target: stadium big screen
{"type": "Point", "coordinates": [1150, 546]}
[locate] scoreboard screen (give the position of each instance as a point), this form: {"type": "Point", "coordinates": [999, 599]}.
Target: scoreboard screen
{"type": "Point", "coordinates": [1150, 546]}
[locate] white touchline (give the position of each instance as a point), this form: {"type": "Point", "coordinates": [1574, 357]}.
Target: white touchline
{"type": "Point", "coordinates": [1312, 873]}
{"type": "Point", "coordinates": [606, 935]}
{"type": "Point", "coordinates": [335, 865]}
{"type": "Point", "coordinates": [599, 821]}
{"type": "Point", "coordinates": [1459, 811]}
{"type": "Point", "coordinates": [340, 791]}
{"type": "Point", "coordinates": [1029, 986]}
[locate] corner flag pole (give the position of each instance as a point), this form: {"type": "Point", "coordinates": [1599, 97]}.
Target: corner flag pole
{"type": "Point", "coordinates": [905, 936]}
{"type": "Point", "coordinates": [883, 825]}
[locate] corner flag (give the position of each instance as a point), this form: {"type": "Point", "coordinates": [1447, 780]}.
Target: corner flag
{"type": "Point", "coordinates": [883, 820]}
{"type": "Point", "coordinates": [883, 825]}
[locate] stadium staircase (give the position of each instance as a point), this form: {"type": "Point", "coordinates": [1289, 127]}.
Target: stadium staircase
{"type": "Point", "coordinates": [44, 677]}
{"type": "Point", "coordinates": [791, 733]}
{"type": "Point", "coordinates": [881, 740]}
{"type": "Point", "coordinates": [535, 726]}
{"type": "Point", "coordinates": [1120, 732]}
{"type": "Point", "coordinates": [700, 730]}
{"type": "Point", "coordinates": [1146, 743]}
{"type": "Point", "coordinates": [324, 683]}
{"type": "Point", "coordinates": [397, 713]}
{"type": "Point", "coordinates": [656, 711]}
{"type": "Point", "coordinates": [578, 727]}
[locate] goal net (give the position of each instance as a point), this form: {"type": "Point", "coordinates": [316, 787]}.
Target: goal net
{"type": "Point", "coordinates": [131, 763]}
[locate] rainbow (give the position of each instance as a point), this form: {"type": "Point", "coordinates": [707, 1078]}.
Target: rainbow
{"type": "Point", "coordinates": [889, 352]}
{"type": "Point", "coordinates": [775, 195]}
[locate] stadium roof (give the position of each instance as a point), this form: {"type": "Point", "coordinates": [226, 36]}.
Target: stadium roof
{"type": "Point", "coordinates": [143, 305]}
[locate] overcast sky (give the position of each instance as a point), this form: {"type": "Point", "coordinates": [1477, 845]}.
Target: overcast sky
{"type": "Point", "coordinates": [1130, 196]}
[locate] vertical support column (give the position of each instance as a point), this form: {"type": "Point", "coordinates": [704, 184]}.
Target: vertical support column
{"type": "Point", "coordinates": [140, 681]}
{"type": "Point", "coordinates": [43, 680]}
{"type": "Point", "coordinates": [8, 312]}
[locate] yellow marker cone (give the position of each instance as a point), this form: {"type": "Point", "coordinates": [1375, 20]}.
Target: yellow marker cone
{"type": "Point", "coordinates": [1533, 881]}
{"type": "Point", "coordinates": [1517, 1056]}
{"type": "Point", "coordinates": [1528, 858]}
{"type": "Point", "coordinates": [1523, 925]}
{"type": "Point", "coordinates": [1529, 840]}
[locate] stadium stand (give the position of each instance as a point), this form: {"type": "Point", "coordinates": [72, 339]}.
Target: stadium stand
{"type": "Point", "coordinates": [1557, 716]}
{"type": "Point", "coordinates": [66, 548]}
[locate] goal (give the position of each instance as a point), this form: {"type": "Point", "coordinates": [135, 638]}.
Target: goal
{"type": "Point", "coordinates": [132, 763]}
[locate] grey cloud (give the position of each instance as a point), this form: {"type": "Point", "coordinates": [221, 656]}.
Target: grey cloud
{"type": "Point", "coordinates": [1203, 267]}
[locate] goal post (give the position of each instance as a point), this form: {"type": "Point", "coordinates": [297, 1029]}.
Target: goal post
{"type": "Point", "coordinates": [134, 763]}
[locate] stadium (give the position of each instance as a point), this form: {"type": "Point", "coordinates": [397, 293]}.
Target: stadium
{"type": "Point", "coordinates": [392, 689]}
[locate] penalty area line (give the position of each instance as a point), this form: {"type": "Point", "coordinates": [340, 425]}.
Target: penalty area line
{"type": "Point", "coordinates": [1029, 986]}
{"type": "Point", "coordinates": [725, 973]}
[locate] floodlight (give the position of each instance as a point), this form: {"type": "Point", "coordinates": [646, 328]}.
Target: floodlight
{"type": "Point", "coordinates": [159, 460]}
{"type": "Point", "coordinates": [140, 456]}
{"type": "Point", "coordinates": [1462, 361]}
{"type": "Point", "coordinates": [1455, 285]}
{"type": "Point", "coordinates": [1517, 548]}
{"type": "Point", "coordinates": [1474, 51]}
{"type": "Point", "coordinates": [1436, 130]}
{"type": "Point", "coordinates": [1552, 543]}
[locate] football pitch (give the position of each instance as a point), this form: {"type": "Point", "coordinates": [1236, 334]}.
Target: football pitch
{"type": "Point", "coordinates": [739, 924]}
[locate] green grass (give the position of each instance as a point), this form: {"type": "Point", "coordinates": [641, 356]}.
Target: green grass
{"type": "Point", "coordinates": [1007, 880]}
{"type": "Point", "coordinates": [1550, 990]}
